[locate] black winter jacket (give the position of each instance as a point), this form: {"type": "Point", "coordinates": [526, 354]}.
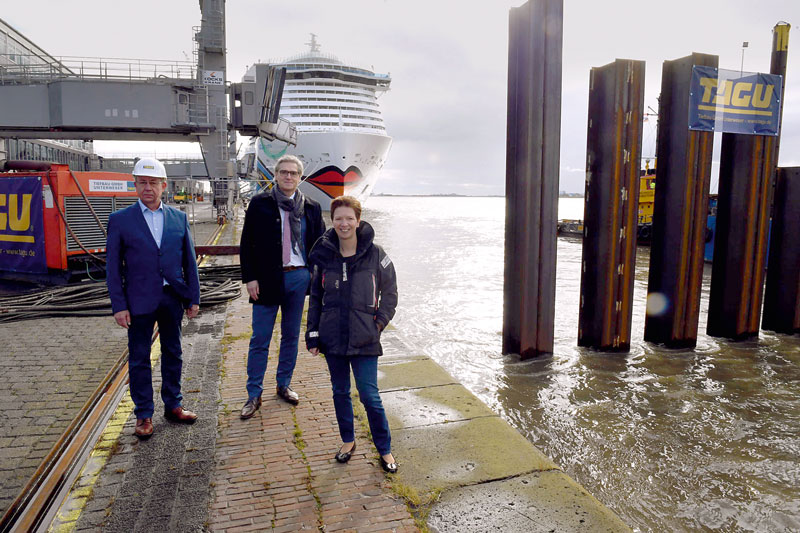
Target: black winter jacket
{"type": "Point", "coordinates": [261, 253]}
{"type": "Point", "coordinates": [353, 298]}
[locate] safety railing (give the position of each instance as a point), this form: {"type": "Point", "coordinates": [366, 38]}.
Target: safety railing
{"type": "Point", "coordinates": [30, 69]}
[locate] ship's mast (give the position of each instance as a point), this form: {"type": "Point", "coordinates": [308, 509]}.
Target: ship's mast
{"type": "Point", "coordinates": [313, 45]}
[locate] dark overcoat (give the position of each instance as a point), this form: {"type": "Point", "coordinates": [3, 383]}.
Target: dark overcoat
{"type": "Point", "coordinates": [261, 251]}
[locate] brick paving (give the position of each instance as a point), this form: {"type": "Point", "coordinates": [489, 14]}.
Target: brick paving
{"type": "Point", "coordinates": [276, 471]}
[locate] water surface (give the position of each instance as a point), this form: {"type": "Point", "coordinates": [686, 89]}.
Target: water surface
{"type": "Point", "coordinates": [671, 440]}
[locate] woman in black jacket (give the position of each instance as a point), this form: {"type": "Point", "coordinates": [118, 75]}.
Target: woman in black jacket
{"type": "Point", "coordinates": [353, 298]}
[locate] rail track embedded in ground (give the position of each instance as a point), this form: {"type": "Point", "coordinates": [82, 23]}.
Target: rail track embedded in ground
{"type": "Point", "coordinates": [47, 486]}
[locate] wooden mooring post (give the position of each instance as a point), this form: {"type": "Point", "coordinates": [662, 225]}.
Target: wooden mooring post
{"type": "Point", "coordinates": [680, 212]}
{"type": "Point", "coordinates": [613, 152]}
{"type": "Point", "coordinates": [532, 171]}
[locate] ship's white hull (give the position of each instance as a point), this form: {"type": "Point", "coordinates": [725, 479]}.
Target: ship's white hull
{"type": "Point", "coordinates": [337, 162]}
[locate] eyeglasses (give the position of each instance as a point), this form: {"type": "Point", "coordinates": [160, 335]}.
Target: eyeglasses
{"type": "Point", "coordinates": [293, 173]}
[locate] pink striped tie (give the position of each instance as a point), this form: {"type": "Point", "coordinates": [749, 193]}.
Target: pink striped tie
{"type": "Point", "coordinates": [287, 238]}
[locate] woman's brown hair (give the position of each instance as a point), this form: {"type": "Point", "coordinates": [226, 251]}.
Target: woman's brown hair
{"type": "Point", "coordinates": [346, 201]}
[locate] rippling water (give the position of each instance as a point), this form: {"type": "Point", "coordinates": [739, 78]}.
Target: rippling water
{"type": "Point", "coordinates": [671, 440]}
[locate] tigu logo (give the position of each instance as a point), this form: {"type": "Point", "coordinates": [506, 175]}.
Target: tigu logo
{"type": "Point", "coordinates": [15, 215]}
{"type": "Point", "coordinates": [737, 96]}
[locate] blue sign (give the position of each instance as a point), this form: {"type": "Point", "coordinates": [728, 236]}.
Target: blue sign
{"type": "Point", "coordinates": [21, 225]}
{"type": "Point", "coordinates": [734, 102]}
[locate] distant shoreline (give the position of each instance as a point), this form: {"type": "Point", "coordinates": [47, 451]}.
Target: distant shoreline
{"type": "Point", "coordinates": [454, 195]}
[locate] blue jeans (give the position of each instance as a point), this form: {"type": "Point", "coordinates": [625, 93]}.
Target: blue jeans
{"type": "Point", "coordinates": [168, 315]}
{"type": "Point", "coordinates": [295, 285]}
{"type": "Point", "coordinates": [365, 370]}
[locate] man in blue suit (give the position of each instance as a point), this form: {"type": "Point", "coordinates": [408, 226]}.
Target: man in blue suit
{"type": "Point", "coordinates": [152, 277]}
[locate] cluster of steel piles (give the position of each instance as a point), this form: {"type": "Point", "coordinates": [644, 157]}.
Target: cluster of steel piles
{"type": "Point", "coordinates": [747, 175]}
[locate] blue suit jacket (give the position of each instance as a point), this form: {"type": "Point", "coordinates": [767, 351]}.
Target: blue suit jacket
{"type": "Point", "coordinates": [135, 266]}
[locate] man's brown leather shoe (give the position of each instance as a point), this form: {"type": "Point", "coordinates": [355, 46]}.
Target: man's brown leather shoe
{"type": "Point", "coordinates": [181, 415]}
{"type": "Point", "coordinates": [144, 428]}
{"type": "Point", "coordinates": [288, 395]}
{"type": "Point", "coordinates": [250, 408]}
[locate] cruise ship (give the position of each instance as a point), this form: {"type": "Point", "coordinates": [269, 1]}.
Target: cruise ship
{"type": "Point", "coordinates": [341, 136]}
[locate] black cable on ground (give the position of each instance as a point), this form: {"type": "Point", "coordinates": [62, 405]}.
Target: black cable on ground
{"type": "Point", "coordinates": [218, 284]}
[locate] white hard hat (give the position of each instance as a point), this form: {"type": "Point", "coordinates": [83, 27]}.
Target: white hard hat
{"type": "Point", "coordinates": [150, 166]}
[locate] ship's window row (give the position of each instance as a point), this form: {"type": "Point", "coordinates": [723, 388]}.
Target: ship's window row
{"type": "Point", "coordinates": [332, 115]}
{"type": "Point", "coordinates": [354, 97]}
{"type": "Point", "coordinates": [362, 107]}
{"type": "Point", "coordinates": [287, 106]}
{"type": "Point", "coordinates": [341, 88]}
{"type": "Point", "coordinates": [330, 84]}
{"type": "Point", "coordinates": [364, 94]}
{"type": "Point", "coordinates": [306, 66]}
{"type": "Point", "coordinates": [332, 119]}
{"type": "Point", "coordinates": [332, 88]}
{"type": "Point", "coordinates": [321, 99]}
{"type": "Point", "coordinates": [36, 151]}
{"type": "Point", "coordinates": [347, 124]}
{"type": "Point", "coordinates": [324, 99]}
{"type": "Point", "coordinates": [336, 124]}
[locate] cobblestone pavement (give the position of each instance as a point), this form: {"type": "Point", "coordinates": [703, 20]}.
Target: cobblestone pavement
{"type": "Point", "coordinates": [162, 484]}
{"type": "Point", "coordinates": [48, 370]}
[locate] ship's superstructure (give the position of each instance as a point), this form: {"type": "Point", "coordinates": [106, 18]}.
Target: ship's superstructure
{"type": "Point", "coordinates": [341, 136]}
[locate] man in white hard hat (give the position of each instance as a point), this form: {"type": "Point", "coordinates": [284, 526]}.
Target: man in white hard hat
{"type": "Point", "coordinates": [152, 277]}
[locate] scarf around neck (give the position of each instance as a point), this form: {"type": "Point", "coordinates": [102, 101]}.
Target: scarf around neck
{"type": "Point", "coordinates": [295, 208]}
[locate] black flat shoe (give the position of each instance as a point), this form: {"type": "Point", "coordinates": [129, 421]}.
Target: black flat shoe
{"type": "Point", "coordinates": [389, 467]}
{"type": "Point", "coordinates": [344, 457]}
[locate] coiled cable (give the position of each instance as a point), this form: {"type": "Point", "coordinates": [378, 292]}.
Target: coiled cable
{"type": "Point", "coordinates": [218, 284]}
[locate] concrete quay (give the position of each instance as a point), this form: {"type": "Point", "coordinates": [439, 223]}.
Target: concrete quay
{"type": "Point", "coordinates": [462, 468]}
{"type": "Point", "coordinates": [467, 468]}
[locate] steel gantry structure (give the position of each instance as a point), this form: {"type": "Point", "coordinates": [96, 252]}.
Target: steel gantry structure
{"type": "Point", "coordinates": [149, 100]}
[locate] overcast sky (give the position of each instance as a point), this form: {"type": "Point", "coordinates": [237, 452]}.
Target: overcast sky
{"type": "Point", "coordinates": [446, 109]}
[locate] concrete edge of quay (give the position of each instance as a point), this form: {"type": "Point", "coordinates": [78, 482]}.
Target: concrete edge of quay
{"type": "Point", "coordinates": [468, 467]}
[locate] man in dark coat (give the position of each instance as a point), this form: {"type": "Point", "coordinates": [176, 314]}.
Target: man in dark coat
{"type": "Point", "coordinates": [280, 227]}
{"type": "Point", "coordinates": [151, 272]}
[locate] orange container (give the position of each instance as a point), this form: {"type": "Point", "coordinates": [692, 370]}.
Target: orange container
{"type": "Point", "coordinates": [64, 205]}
